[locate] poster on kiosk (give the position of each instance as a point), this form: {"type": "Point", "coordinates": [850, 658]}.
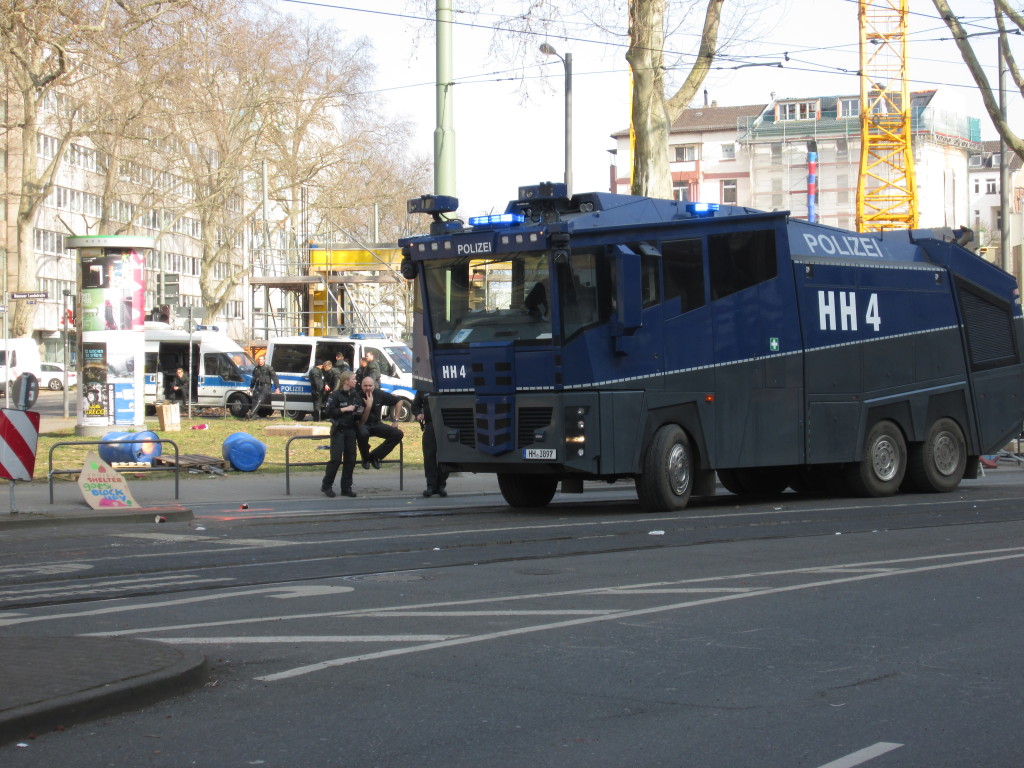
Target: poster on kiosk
{"type": "Point", "coordinates": [111, 319]}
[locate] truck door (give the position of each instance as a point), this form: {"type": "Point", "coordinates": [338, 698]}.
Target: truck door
{"type": "Point", "coordinates": [758, 358]}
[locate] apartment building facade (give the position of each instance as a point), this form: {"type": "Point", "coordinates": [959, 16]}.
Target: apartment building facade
{"type": "Point", "coordinates": [758, 155]}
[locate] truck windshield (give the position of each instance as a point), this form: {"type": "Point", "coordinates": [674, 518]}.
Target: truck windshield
{"type": "Point", "coordinates": [501, 298]}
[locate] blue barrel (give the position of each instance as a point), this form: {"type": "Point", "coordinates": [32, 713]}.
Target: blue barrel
{"type": "Point", "coordinates": [244, 451]}
{"type": "Point", "coordinates": [144, 450]}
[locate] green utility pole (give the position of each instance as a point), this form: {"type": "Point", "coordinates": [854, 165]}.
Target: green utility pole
{"type": "Point", "coordinates": [444, 133]}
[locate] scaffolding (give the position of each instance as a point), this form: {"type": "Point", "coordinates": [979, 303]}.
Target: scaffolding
{"type": "Point", "coordinates": [329, 290]}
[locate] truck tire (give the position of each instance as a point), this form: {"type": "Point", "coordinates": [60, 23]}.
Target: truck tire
{"type": "Point", "coordinates": [527, 490]}
{"type": "Point", "coordinates": [239, 404]}
{"type": "Point", "coordinates": [883, 464]}
{"type": "Point", "coordinates": [666, 477]}
{"type": "Point", "coordinates": [938, 464]}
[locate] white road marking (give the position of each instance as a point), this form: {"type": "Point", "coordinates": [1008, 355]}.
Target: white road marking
{"type": "Point", "coordinates": [111, 585]}
{"type": "Point", "coordinates": [320, 666]}
{"type": "Point", "coordinates": [46, 569]}
{"type": "Point", "coordinates": [306, 639]}
{"type": "Point", "coordinates": [600, 591]}
{"type": "Point", "coordinates": [861, 756]}
{"type": "Point", "coordinates": [288, 592]}
{"type": "Point", "coordinates": [180, 538]}
{"type": "Point", "coordinates": [675, 590]}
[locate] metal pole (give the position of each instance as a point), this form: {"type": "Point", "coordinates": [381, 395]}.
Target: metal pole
{"type": "Point", "coordinates": [1004, 165]}
{"type": "Point", "coordinates": [444, 133]}
{"type": "Point", "coordinates": [567, 61]}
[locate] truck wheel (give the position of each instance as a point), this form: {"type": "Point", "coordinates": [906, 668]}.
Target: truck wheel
{"type": "Point", "coordinates": [666, 477]}
{"type": "Point", "coordinates": [937, 465]}
{"type": "Point", "coordinates": [294, 415]}
{"type": "Point", "coordinates": [883, 465]}
{"type": "Point", "coordinates": [527, 490]}
{"type": "Point", "coordinates": [239, 404]}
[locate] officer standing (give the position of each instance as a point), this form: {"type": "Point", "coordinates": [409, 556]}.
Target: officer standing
{"type": "Point", "coordinates": [318, 386]}
{"type": "Point", "coordinates": [264, 381]}
{"type": "Point", "coordinates": [344, 409]}
{"type": "Point", "coordinates": [437, 478]}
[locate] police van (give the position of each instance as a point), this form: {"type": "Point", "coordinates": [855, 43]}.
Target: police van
{"type": "Point", "coordinates": [221, 371]}
{"type": "Point", "coordinates": [292, 357]}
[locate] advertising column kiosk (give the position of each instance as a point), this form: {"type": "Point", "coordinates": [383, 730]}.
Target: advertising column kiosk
{"type": "Point", "coordinates": [110, 320]}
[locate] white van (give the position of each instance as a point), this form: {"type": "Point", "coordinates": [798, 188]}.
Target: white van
{"type": "Point", "coordinates": [24, 358]}
{"type": "Point", "coordinates": [292, 357]}
{"type": "Point", "coordinates": [221, 370]}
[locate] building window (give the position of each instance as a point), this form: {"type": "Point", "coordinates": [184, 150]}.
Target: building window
{"type": "Point", "coordinates": [797, 110]}
{"type": "Point", "coordinates": [729, 151]}
{"type": "Point", "coordinates": [681, 191]}
{"type": "Point", "coordinates": [977, 186]}
{"type": "Point", "coordinates": [842, 149]}
{"type": "Point", "coordinates": [990, 186]}
{"type": "Point", "coordinates": [729, 191]}
{"type": "Point", "coordinates": [842, 189]}
{"type": "Point", "coordinates": [686, 153]}
{"type": "Point", "coordinates": [776, 149]}
{"type": "Point", "coordinates": [849, 108]}
{"type": "Point", "coordinates": [776, 194]}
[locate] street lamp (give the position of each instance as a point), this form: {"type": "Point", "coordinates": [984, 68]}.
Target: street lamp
{"type": "Point", "coordinates": [549, 50]}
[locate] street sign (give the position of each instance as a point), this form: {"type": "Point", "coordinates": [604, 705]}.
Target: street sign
{"type": "Point", "coordinates": [30, 295]}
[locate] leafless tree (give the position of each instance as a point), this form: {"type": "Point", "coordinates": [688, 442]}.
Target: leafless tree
{"type": "Point", "coordinates": [1009, 21]}
{"type": "Point", "coordinates": [52, 51]}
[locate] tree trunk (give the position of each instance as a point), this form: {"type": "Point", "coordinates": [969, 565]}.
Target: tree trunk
{"type": "Point", "coordinates": [651, 114]}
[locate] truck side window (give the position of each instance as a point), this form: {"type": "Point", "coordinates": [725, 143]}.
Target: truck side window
{"type": "Point", "coordinates": [739, 260]}
{"type": "Point", "coordinates": [684, 273]}
{"type": "Point", "coordinates": [579, 292]}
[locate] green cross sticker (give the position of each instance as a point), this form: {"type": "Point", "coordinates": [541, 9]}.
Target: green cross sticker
{"type": "Point", "coordinates": [773, 343]}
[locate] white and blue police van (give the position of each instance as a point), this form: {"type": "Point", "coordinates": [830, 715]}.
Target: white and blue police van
{"type": "Point", "coordinates": [292, 357]}
{"type": "Point", "coordinates": [221, 371]}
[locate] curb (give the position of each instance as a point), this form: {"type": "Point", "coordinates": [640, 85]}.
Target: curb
{"type": "Point", "coordinates": [90, 517]}
{"type": "Point", "coordinates": [184, 671]}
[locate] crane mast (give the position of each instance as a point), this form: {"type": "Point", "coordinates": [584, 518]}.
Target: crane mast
{"type": "Point", "coordinates": [886, 188]}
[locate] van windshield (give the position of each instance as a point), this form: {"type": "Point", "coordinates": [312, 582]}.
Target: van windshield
{"type": "Point", "coordinates": [402, 356]}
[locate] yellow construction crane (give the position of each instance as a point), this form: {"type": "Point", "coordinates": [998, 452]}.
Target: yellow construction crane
{"type": "Point", "coordinates": [886, 189]}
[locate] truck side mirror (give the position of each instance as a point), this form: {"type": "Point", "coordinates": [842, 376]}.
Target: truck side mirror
{"type": "Point", "coordinates": [628, 297]}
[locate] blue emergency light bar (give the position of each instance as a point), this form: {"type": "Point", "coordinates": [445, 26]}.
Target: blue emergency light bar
{"type": "Point", "coordinates": [497, 220]}
{"type": "Point", "coordinates": [701, 210]}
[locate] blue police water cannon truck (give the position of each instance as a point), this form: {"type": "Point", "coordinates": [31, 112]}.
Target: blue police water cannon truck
{"type": "Point", "coordinates": [607, 337]}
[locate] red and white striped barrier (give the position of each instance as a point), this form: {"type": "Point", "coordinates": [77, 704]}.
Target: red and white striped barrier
{"type": "Point", "coordinates": [19, 434]}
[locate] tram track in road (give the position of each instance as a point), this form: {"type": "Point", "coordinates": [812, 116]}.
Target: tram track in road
{"type": "Point", "coordinates": [176, 559]}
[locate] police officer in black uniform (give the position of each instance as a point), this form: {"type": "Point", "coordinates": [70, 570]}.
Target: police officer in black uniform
{"type": "Point", "coordinates": [437, 478]}
{"type": "Point", "coordinates": [345, 410]}
{"type": "Point", "coordinates": [319, 386]}
{"type": "Point", "coordinates": [264, 381]}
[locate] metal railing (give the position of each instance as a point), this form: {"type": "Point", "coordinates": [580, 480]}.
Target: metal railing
{"type": "Point", "coordinates": [288, 463]}
{"type": "Point", "coordinates": [176, 468]}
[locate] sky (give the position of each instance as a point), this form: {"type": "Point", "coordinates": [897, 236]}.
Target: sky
{"type": "Point", "coordinates": [509, 114]}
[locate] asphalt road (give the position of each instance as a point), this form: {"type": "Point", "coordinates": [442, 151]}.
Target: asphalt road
{"type": "Point", "coordinates": [795, 632]}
